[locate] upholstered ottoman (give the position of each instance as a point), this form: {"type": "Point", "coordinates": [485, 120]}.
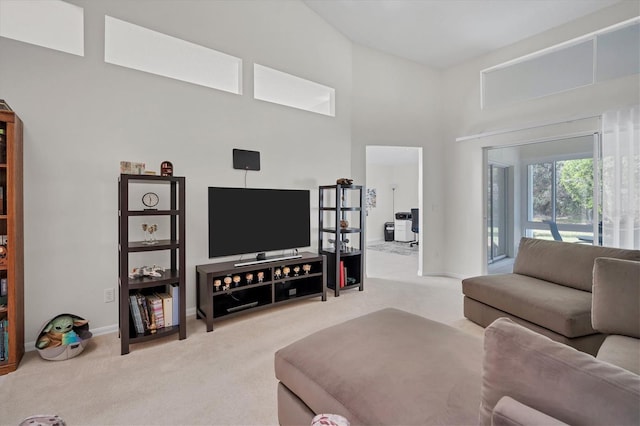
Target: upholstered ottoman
{"type": "Point", "coordinates": [388, 367]}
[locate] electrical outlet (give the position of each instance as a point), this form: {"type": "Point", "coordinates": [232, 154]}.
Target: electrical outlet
{"type": "Point", "coordinates": [109, 295]}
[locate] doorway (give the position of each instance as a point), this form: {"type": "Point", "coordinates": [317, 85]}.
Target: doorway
{"type": "Point", "coordinates": [394, 197]}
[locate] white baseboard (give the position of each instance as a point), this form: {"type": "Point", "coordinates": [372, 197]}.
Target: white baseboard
{"type": "Point", "coordinates": [31, 346]}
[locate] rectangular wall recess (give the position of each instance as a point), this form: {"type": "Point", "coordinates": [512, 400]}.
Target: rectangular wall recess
{"type": "Point", "coordinates": [142, 49]}
{"type": "Point", "coordinates": [53, 24]}
{"type": "Point", "coordinates": [285, 89]}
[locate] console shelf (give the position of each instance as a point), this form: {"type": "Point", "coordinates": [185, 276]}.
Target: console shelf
{"type": "Point", "coordinates": [172, 280]}
{"type": "Point", "coordinates": [247, 293]}
{"type": "Point", "coordinates": [341, 235]}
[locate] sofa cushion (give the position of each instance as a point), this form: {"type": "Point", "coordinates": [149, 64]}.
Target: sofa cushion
{"type": "Point", "coordinates": [387, 367]}
{"type": "Point", "coordinates": [484, 315]}
{"type": "Point", "coordinates": [509, 412]}
{"type": "Point", "coordinates": [555, 379]}
{"type": "Point", "coordinates": [564, 263]}
{"type": "Point", "coordinates": [565, 310]}
{"type": "Point", "coordinates": [616, 297]}
{"type": "Point", "coordinates": [622, 351]}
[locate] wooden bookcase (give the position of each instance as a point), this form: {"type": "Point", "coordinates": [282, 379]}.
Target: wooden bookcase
{"type": "Point", "coordinates": [174, 275]}
{"type": "Point", "coordinates": [11, 226]}
{"type": "Point", "coordinates": [250, 292]}
{"type": "Point", "coordinates": [343, 245]}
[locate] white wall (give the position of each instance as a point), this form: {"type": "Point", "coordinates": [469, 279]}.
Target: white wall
{"type": "Point", "coordinates": [379, 177]}
{"type": "Point", "coordinates": [397, 102]}
{"type": "Point", "coordinates": [82, 116]}
{"type": "Point", "coordinates": [463, 116]}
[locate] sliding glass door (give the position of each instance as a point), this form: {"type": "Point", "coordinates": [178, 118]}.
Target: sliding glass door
{"type": "Point", "coordinates": [497, 212]}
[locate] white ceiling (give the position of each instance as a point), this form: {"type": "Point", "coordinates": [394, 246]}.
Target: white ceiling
{"type": "Point", "coordinates": [443, 33]}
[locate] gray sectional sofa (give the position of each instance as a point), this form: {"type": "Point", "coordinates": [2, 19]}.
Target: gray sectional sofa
{"type": "Point", "coordinates": [548, 292]}
{"type": "Point", "coordinates": [392, 367]}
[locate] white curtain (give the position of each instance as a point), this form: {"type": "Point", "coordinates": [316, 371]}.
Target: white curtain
{"type": "Point", "coordinates": [621, 178]}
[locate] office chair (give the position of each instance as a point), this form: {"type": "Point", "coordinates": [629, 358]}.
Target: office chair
{"type": "Point", "coordinates": [415, 214]}
{"type": "Point", "coordinates": [554, 229]}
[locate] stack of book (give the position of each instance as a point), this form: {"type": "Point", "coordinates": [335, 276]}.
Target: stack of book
{"type": "Point", "coordinates": [155, 311]}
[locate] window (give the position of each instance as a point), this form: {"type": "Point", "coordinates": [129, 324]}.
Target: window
{"type": "Point", "coordinates": [606, 54]}
{"type": "Point", "coordinates": [142, 49]}
{"type": "Point", "coordinates": [497, 212]}
{"type": "Point", "coordinates": [560, 192]}
{"type": "Point", "coordinates": [285, 89]}
{"type": "Point", "coordinates": [52, 24]}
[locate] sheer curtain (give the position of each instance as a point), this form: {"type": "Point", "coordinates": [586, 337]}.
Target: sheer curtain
{"type": "Point", "coordinates": [621, 178]}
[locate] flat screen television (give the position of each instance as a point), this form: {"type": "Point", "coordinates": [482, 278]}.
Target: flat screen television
{"type": "Point", "coordinates": [248, 220]}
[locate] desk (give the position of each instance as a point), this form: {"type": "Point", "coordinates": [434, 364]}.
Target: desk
{"type": "Point", "coordinates": [403, 231]}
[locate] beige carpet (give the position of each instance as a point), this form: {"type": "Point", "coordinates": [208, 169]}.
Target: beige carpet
{"type": "Point", "coordinates": [224, 377]}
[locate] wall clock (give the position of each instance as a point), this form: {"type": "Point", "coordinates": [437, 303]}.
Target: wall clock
{"type": "Point", "coordinates": [150, 199]}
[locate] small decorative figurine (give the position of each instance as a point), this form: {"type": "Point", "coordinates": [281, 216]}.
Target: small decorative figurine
{"type": "Point", "coordinates": [166, 168]}
{"type": "Point", "coordinates": [344, 181]}
{"type": "Point", "coordinates": [296, 271]}
{"type": "Point", "coordinates": [249, 278]}
{"type": "Point", "coordinates": [146, 271]}
{"type": "Point", "coordinates": [149, 230]}
{"type": "Point", "coordinates": [236, 280]}
{"type": "Point", "coordinates": [227, 283]}
{"type": "Point", "coordinates": [306, 268]}
{"type": "Point", "coordinates": [59, 331]}
{"type": "Point", "coordinates": [278, 273]}
{"type": "Point", "coordinates": [217, 284]}
{"type": "Point", "coordinates": [343, 244]}
{"type": "Point", "coordinates": [260, 276]}
{"type": "Point", "coordinates": [286, 271]}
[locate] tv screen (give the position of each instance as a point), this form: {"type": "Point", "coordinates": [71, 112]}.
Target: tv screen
{"type": "Point", "coordinates": [244, 221]}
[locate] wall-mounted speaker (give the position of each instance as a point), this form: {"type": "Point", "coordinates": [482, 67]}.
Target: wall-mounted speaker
{"type": "Point", "coordinates": [246, 160]}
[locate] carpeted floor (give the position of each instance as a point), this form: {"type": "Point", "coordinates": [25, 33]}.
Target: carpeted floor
{"type": "Point", "coordinates": [394, 247]}
{"type": "Point", "coordinates": [224, 377]}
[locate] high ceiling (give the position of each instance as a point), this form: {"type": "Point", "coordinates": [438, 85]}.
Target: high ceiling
{"type": "Point", "coordinates": [443, 33]}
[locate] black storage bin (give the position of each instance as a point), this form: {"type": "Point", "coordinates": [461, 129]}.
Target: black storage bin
{"type": "Point", "coordinates": [389, 231]}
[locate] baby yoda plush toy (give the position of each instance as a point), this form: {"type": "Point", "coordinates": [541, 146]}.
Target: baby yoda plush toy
{"type": "Point", "coordinates": [60, 331]}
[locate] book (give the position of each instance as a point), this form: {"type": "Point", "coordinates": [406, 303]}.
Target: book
{"type": "Point", "coordinates": [3, 286]}
{"type": "Point", "coordinates": [174, 292]}
{"type": "Point", "coordinates": [135, 313]}
{"type": "Point", "coordinates": [341, 273]}
{"type": "Point", "coordinates": [155, 309]}
{"type": "Point", "coordinates": [3, 342]}
{"type": "Point", "coordinates": [167, 308]}
{"type": "Point", "coordinates": [144, 311]}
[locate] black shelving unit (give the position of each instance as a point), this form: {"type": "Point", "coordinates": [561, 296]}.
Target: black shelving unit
{"type": "Point", "coordinates": [174, 275]}
{"type": "Point", "coordinates": [342, 243]}
{"type": "Point", "coordinates": [257, 286]}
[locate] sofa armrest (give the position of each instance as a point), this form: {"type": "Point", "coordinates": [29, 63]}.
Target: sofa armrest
{"type": "Point", "coordinates": [616, 292]}
{"type": "Point", "coordinates": [509, 412]}
{"type": "Point", "coordinates": [555, 379]}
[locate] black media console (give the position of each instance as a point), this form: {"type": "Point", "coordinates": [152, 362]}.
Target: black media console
{"type": "Point", "coordinates": [225, 290]}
